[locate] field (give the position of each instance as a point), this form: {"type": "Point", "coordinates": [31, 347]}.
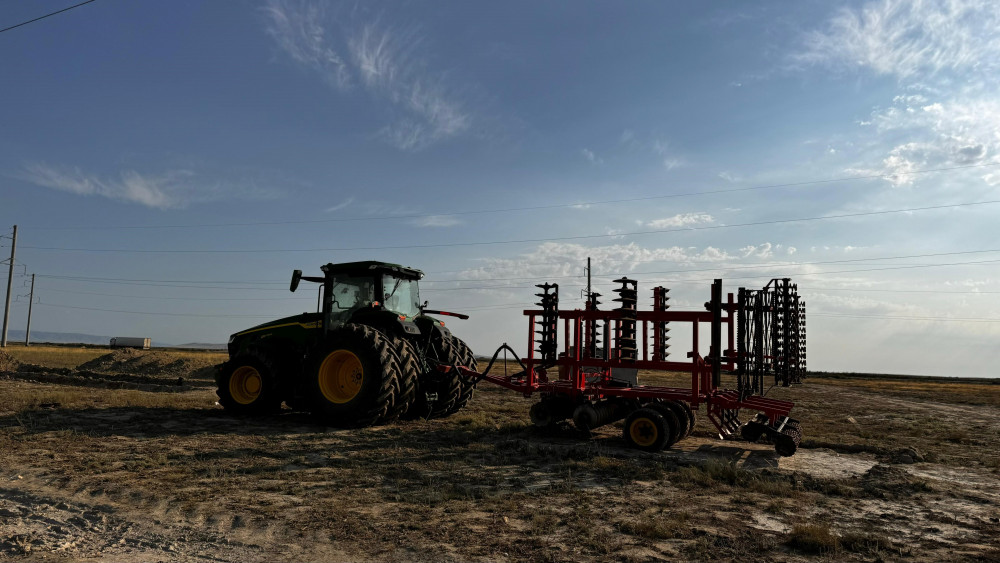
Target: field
{"type": "Point", "coordinates": [126, 457]}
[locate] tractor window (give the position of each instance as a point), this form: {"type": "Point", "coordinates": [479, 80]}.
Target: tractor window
{"type": "Point", "coordinates": [350, 294]}
{"type": "Point", "coordinates": [401, 296]}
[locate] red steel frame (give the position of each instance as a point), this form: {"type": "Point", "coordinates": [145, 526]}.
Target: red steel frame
{"type": "Point", "coordinates": [595, 383]}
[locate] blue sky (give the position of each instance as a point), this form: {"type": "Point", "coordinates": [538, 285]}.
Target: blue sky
{"type": "Point", "coordinates": [163, 147]}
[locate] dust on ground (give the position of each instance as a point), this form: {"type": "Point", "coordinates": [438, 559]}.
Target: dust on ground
{"type": "Point", "coordinates": [125, 474]}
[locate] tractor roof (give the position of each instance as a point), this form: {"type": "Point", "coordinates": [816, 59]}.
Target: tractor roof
{"type": "Point", "coordinates": [369, 267]}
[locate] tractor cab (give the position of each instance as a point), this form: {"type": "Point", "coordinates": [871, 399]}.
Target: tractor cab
{"type": "Point", "coordinates": [366, 289]}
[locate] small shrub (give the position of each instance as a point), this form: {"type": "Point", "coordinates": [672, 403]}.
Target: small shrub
{"type": "Point", "coordinates": [813, 538]}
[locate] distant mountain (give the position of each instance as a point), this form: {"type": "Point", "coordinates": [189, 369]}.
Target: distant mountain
{"type": "Point", "coordinates": [39, 337]}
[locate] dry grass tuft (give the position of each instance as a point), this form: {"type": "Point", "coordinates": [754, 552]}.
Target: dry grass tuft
{"type": "Point", "coordinates": [813, 538]}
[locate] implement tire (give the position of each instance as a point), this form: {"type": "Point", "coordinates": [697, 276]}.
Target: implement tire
{"type": "Point", "coordinates": [352, 379]}
{"type": "Point", "coordinates": [247, 384]}
{"type": "Point", "coordinates": [646, 429]}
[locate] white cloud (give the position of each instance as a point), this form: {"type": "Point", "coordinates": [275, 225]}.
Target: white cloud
{"type": "Point", "coordinates": [946, 56]}
{"type": "Point", "coordinates": [168, 190]}
{"type": "Point", "coordinates": [960, 131]}
{"type": "Point", "coordinates": [566, 259]}
{"type": "Point", "coordinates": [681, 220]}
{"type": "Point", "coordinates": [386, 61]}
{"type": "Point", "coordinates": [906, 38]}
{"type": "Point", "coordinates": [340, 205]}
{"type": "Point", "coordinates": [591, 157]}
{"type": "Point", "coordinates": [729, 177]}
{"type": "Point", "coordinates": [758, 251]}
{"type": "Point", "coordinates": [437, 221]}
{"type": "Point", "coordinates": [670, 161]}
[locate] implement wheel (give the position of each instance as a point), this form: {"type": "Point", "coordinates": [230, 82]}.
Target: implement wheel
{"type": "Point", "coordinates": [247, 384]}
{"type": "Point", "coordinates": [646, 429]}
{"type": "Point", "coordinates": [676, 417]}
{"type": "Point", "coordinates": [353, 377]}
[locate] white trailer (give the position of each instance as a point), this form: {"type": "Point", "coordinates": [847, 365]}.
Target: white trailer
{"type": "Point", "coordinates": [130, 342]}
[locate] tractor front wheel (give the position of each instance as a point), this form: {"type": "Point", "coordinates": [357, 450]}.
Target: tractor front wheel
{"type": "Point", "coordinates": [247, 384]}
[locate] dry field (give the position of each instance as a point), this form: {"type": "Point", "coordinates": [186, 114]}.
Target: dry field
{"type": "Point", "coordinates": [127, 458]}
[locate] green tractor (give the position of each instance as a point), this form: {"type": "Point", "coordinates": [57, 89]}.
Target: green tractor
{"type": "Point", "coordinates": [370, 355]}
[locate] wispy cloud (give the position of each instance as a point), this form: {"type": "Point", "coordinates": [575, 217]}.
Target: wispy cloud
{"type": "Point", "coordinates": [670, 160]}
{"type": "Point", "coordinates": [340, 205]}
{"type": "Point", "coordinates": [957, 130]}
{"type": "Point", "coordinates": [591, 157]}
{"type": "Point", "coordinates": [946, 56]}
{"type": "Point", "coordinates": [166, 190]}
{"type": "Point", "coordinates": [386, 62]}
{"type": "Point", "coordinates": [681, 220]}
{"type": "Point", "coordinates": [437, 221]}
{"type": "Point", "coordinates": [906, 38]}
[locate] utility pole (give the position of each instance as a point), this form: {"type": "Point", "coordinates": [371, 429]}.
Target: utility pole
{"type": "Point", "coordinates": [588, 277]}
{"type": "Point", "coordinates": [10, 282]}
{"type": "Point", "coordinates": [31, 301]}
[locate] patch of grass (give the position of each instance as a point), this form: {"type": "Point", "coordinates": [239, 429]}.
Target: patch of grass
{"type": "Point", "coordinates": [658, 527]}
{"type": "Point", "coordinates": [813, 538]}
{"type": "Point", "coordinates": [715, 474]}
{"type": "Point", "coordinates": [868, 543]}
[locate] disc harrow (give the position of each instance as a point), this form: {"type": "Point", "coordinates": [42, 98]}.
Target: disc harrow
{"type": "Point", "coordinates": [593, 380]}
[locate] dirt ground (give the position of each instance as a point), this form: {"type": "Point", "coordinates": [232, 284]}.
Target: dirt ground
{"type": "Point", "coordinates": [128, 458]}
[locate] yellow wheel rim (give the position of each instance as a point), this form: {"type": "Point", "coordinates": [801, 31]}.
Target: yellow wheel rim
{"type": "Point", "coordinates": [643, 432]}
{"type": "Point", "coordinates": [340, 376]}
{"type": "Point", "coordinates": [245, 385]}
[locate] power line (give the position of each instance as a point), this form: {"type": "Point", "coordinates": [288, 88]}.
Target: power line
{"type": "Point", "coordinates": [907, 318]}
{"type": "Point", "coordinates": [532, 240]}
{"type": "Point", "coordinates": [158, 297]}
{"type": "Point", "coordinates": [517, 209]}
{"type": "Point", "coordinates": [932, 291]}
{"type": "Point", "coordinates": [46, 16]}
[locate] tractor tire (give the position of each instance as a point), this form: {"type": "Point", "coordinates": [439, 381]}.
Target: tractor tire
{"type": "Point", "coordinates": [647, 430]}
{"type": "Point", "coordinates": [463, 357]}
{"type": "Point", "coordinates": [451, 389]}
{"type": "Point", "coordinates": [408, 376]}
{"type": "Point", "coordinates": [352, 381]}
{"type": "Point", "coordinates": [247, 384]}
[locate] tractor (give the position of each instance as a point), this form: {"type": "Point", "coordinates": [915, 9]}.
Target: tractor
{"type": "Point", "coordinates": [370, 354]}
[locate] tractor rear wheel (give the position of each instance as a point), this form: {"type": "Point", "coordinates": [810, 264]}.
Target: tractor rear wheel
{"type": "Point", "coordinates": [353, 380]}
{"type": "Point", "coordinates": [451, 389]}
{"type": "Point", "coordinates": [463, 357]}
{"type": "Point", "coordinates": [646, 429]}
{"type": "Point", "coordinates": [408, 375]}
{"type": "Point", "coordinates": [247, 384]}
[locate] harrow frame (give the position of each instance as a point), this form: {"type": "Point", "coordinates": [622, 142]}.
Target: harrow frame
{"type": "Point", "coordinates": [583, 373]}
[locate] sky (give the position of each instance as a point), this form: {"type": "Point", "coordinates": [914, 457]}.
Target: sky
{"type": "Point", "coordinates": [169, 164]}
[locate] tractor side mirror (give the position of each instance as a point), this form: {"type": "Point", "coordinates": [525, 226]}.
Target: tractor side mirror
{"type": "Point", "coordinates": [296, 276]}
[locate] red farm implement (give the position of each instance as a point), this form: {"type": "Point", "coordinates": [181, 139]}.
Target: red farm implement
{"type": "Point", "coordinates": [595, 384]}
